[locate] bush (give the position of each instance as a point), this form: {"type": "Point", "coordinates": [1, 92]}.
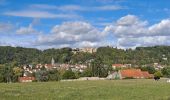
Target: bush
{"type": "Point", "coordinates": [151, 70]}
{"type": "Point", "coordinates": [69, 75]}
{"type": "Point", "coordinates": [53, 75]}
{"type": "Point", "coordinates": [166, 72]}
{"type": "Point", "coordinates": [86, 73]}
{"type": "Point", "coordinates": [128, 78]}
{"type": "Point", "coordinates": [158, 74]}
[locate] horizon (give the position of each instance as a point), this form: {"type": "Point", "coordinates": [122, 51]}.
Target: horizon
{"type": "Point", "coordinates": [89, 47]}
{"type": "Point", "coordinates": [80, 23]}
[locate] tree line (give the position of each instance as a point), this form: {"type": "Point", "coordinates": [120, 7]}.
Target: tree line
{"type": "Point", "coordinates": [109, 55]}
{"type": "Point", "coordinates": [99, 63]}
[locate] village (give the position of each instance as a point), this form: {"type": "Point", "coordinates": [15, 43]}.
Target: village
{"type": "Point", "coordinates": [120, 71]}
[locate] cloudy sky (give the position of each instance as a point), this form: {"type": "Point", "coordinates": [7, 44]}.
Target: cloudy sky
{"type": "Point", "coordinates": [84, 23]}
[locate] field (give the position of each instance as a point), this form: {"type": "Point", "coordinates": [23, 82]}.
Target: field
{"type": "Point", "coordinates": [146, 89]}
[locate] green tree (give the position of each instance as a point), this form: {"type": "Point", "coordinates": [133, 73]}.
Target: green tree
{"type": "Point", "coordinates": [17, 73]}
{"type": "Point", "coordinates": [86, 73]}
{"type": "Point", "coordinates": [53, 75]}
{"type": "Point", "coordinates": [69, 75]}
{"type": "Point", "coordinates": [98, 68]}
{"type": "Point", "coordinates": [158, 74]}
{"type": "Point", "coordinates": [151, 70]}
{"type": "Point", "coordinates": [8, 73]}
{"type": "Point", "coordinates": [41, 75]}
{"type": "Point", "coordinates": [166, 72]}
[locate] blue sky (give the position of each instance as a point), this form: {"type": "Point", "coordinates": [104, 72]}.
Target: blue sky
{"type": "Point", "coordinates": [84, 23]}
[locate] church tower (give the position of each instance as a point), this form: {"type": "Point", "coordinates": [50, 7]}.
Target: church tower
{"type": "Point", "coordinates": [52, 62]}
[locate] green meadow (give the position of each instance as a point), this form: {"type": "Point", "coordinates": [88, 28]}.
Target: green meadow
{"type": "Point", "coordinates": [141, 89]}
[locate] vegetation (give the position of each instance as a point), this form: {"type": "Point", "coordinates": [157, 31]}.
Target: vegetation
{"type": "Point", "coordinates": [99, 64]}
{"type": "Point", "coordinates": [87, 90]}
{"type": "Point", "coordinates": [109, 55]}
{"type": "Point", "coordinates": [151, 70]}
{"type": "Point", "coordinates": [69, 75]}
{"type": "Point", "coordinates": [166, 72]}
{"type": "Point", "coordinates": [158, 74]}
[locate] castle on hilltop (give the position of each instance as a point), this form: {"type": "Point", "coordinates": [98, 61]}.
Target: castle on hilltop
{"type": "Point", "coordinates": [88, 50]}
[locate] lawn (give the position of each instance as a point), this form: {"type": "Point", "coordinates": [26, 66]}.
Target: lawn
{"type": "Point", "coordinates": [144, 89]}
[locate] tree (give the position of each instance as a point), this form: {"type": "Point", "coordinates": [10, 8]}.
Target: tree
{"type": "Point", "coordinates": [69, 74]}
{"type": "Point", "coordinates": [86, 73]}
{"type": "Point", "coordinates": [8, 73]}
{"type": "Point", "coordinates": [151, 70]}
{"type": "Point", "coordinates": [98, 67]}
{"type": "Point", "coordinates": [158, 74]}
{"type": "Point", "coordinates": [166, 71]}
{"type": "Point", "coordinates": [17, 73]}
{"type": "Point", "coordinates": [53, 75]}
{"type": "Point", "coordinates": [41, 75]}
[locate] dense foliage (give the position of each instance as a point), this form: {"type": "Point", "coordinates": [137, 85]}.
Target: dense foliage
{"type": "Point", "coordinates": [109, 55]}
{"type": "Point", "coordinates": [99, 63]}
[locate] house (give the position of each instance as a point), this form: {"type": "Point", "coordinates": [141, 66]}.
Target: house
{"type": "Point", "coordinates": [48, 66]}
{"type": "Point", "coordinates": [39, 66]}
{"type": "Point", "coordinates": [113, 75]}
{"type": "Point", "coordinates": [118, 66]}
{"type": "Point", "coordinates": [147, 75]}
{"type": "Point", "coordinates": [130, 73]}
{"type": "Point", "coordinates": [135, 73]}
{"type": "Point", "coordinates": [26, 79]}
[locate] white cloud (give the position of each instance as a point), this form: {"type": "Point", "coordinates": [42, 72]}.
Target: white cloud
{"type": "Point", "coordinates": [72, 33]}
{"type": "Point", "coordinates": [78, 8]}
{"type": "Point", "coordinates": [143, 41]}
{"type": "Point", "coordinates": [26, 30]}
{"type": "Point", "coordinates": [160, 29]}
{"type": "Point", "coordinates": [39, 14]}
{"type": "Point", "coordinates": [108, 7]}
{"type": "Point", "coordinates": [131, 32]}
{"type": "Point", "coordinates": [128, 26]}
{"type": "Point", "coordinates": [43, 6]}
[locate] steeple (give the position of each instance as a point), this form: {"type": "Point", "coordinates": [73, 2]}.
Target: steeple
{"type": "Point", "coordinates": [52, 61]}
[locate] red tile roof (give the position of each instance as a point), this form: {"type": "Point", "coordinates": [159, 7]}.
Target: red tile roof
{"type": "Point", "coordinates": [26, 79]}
{"type": "Point", "coordinates": [134, 73]}
{"type": "Point", "coordinates": [146, 74]}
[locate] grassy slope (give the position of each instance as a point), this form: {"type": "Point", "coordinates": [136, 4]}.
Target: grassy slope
{"type": "Point", "coordinates": [87, 90]}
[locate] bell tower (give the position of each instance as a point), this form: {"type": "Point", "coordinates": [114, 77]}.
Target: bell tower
{"type": "Point", "coordinates": [52, 62]}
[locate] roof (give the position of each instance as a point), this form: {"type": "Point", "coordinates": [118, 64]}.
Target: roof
{"type": "Point", "coordinates": [48, 65]}
{"type": "Point", "coordinates": [146, 74]}
{"type": "Point", "coordinates": [26, 78]}
{"type": "Point", "coordinates": [135, 73]}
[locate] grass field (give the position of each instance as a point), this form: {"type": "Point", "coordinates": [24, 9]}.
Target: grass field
{"type": "Point", "coordinates": [87, 90]}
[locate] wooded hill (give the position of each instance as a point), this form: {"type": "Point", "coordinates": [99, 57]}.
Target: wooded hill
{"type": "Point", "coordinates": [109, 55]}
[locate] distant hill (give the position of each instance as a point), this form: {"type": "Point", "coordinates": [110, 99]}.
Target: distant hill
{"type": "Point", "coordinates": [109, 55]}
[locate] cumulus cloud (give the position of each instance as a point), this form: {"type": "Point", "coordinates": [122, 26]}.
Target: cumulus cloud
{"type": "Point", "coordinates": [72, 33]}
{"type": "Point", "coordinates": [160, 29]}
{"type": "Point", "coordinates": [143, 41]}
{"type": "Point", "coordinates": [131, 32]}
{"type": "Point", "coordinates": [128, 26]}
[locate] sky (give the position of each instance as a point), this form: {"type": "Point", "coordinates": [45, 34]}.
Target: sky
{"type": "Point", "coordinates": [47, 24]}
